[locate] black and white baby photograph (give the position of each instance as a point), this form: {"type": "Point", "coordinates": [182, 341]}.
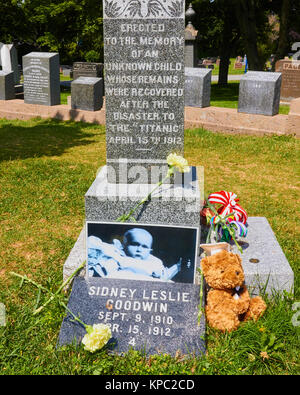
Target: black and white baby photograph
{"type": "Point", "coordinates": [141, 252]}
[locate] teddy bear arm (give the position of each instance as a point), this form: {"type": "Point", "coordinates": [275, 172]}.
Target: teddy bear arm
{"type": "Point", "coordinates": [242, 301]}
{"type": "Point", "coordinates": [256, 309]}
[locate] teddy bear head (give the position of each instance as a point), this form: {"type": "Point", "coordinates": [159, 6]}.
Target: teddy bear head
{"type": "Point", "coordinates": [223, 270]}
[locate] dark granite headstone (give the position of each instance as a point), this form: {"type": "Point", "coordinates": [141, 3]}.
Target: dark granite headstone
{"type": "Point", "coordinates": [41, 78]}
{"type": "Point", "coordinates": [150, 316]}
{"type": "Point", "coordinates": [259, 93]}
{"type": "Point", "coordinates": [87, 93]}
{"type": "Point", "coordinates": [87, 69]}
{"type": "Point", "coordinates": [7, 85]}
{"type": "Point", "coordinates": [144, 82]}
{"type": "Point", "coordinates": [197, 87]}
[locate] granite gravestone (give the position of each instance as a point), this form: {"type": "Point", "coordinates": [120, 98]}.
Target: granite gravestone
{"type": "Point", "coordinates": [7, 85]}
{"type": "Point", "coordinates": [259, 93]}
{"type": "Point", "coordinates": [9, 60]}
{"type": "Point", "coordinates": [197, 87]}
{"type": "Point", "coordinates": [144, 82]}
{"type": "Point", "coordinates": [143, 315]}
{"type": "Point", "coordinates": [290, 71]}
{"type": "Point", "coordinates": [144, 71]}
{"type": "Point", "coordinates": [41, 78]}
{"type": "Point", "coordinates": [87, 93]}
{"type": "Point", "coordinates": [87, 69]}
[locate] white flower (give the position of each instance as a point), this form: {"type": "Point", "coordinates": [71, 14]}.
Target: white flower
{"type": "Point", "coordinates": [96, 337]}
{"type": "Point", "coordinates": [179, 162]}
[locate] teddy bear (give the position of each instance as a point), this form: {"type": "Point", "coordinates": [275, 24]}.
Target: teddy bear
{"type": "Point", "coordinates": [228, 301]}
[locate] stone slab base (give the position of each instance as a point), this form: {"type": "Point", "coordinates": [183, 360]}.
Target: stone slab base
{"type": "Point", "coordinates": [178, 203]}
{"type": "Point", "coordinates": [267, 271]}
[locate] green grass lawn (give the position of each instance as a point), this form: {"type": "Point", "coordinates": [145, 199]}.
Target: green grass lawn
{"type": "Point", "coordinates": [46, 167]}
{"type": "Point", "coordinates": [231, 69]}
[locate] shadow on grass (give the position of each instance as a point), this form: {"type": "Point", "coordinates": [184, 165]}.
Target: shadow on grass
{"type": "Point", "coordinates": [42, 137]}
{"type": "Point", "coordinates": [228, 93]}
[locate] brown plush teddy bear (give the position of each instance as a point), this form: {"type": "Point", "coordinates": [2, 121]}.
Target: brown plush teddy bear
{"type": "Point", "coordinates": [228, 301]}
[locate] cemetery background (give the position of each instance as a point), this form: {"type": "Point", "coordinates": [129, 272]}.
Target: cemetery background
{"type": "Point", "coordinates": [52, 153]}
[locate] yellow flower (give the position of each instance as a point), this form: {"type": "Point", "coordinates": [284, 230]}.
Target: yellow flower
{"type": "Point", "coordinates": [179, 162]}
{"type": "Point", "coordinates": [96, 337]}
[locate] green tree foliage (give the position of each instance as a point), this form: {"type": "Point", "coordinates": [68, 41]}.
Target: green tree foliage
{"type": "Point", "coordinates": [11, 20]}
{"type": "Point", "coordinates": [234, 27]}
{"type": "Point", "coordinates": [71, 27]}
{"type": "Point", "coordinates": [227, 28]}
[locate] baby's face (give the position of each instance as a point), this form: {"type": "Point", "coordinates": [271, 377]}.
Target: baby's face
{"type": "Point", "coordinates": [138, 245]}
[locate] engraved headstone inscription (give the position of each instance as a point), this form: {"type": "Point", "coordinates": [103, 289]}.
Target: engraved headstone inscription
{"type": "Point", "coordinates": [144, 81]}
{"type": "Point", "coordinates": [143, 315]}
{"type": "Point", "coordinates": [41, 78]}
{"type": "Point", "coordinates": [87, 69]}
{"type": "Point", "coordinates": [290, 71]}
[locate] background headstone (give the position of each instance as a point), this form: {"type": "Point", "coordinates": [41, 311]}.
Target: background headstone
{"type": "Point", "coordinates": [87, 93]}
{"type": "Point", "coordinates": [144, 83]}
{"type": "Point", "coordinates": [197, 87]}
{"type": "Point", "coordinates": [9, 60]}
{"type": "Point", "coordinates": [7, 85]}
{"type": "Point", "coordinates": [238, 65]}
{"type": "Point", "coordinates": [41, 78]}
{"type": "Point", "coordinates": [259, 93]}
{"type": "Point", "coordinates": [87, 69]}
{"type": "Point", "coordinates": [191, 39]}
{"type": "Point", "coordinates": [290, 71]}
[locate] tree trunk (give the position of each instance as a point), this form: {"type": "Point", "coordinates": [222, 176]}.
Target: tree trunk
{"type": "Point", "coordinates": [245, 13]}
{"type": "Point", "coordinates": [225, 52]}
{"type": "Point", "coordinates": [229, 41]}
{"type": "Point", "coordinates": [283, 32]}
{"type": "Point", "coordinates": [223, 69]}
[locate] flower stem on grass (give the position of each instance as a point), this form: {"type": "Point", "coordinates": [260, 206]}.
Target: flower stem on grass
{"type": "Point", "coordinates": [41, 288]}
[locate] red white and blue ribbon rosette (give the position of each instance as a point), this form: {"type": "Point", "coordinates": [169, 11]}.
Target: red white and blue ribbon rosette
{"type": "Point", "coordinates": [229, 205]}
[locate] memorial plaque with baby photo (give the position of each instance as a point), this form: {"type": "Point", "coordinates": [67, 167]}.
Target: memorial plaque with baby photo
{"type": "Point", "coordinates": [140, 282]}
{"type": "Point", "coordinates": [141, 252]}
